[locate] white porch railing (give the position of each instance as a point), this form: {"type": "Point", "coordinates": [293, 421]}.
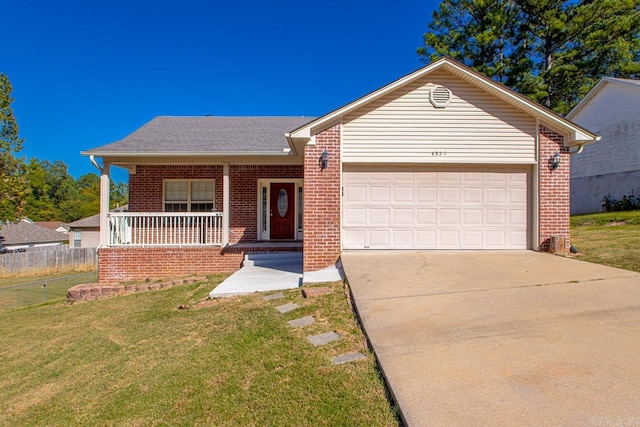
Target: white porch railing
{"type": "Point", "coordinates": [164, 229]}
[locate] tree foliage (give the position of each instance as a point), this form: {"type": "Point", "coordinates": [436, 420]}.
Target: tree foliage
{"type": "Point", "coordinates": [552, 51]}
{"type": "Point", "coordinates": [13, 188]}
{"type": "Point", "coordinates": [56, 195]}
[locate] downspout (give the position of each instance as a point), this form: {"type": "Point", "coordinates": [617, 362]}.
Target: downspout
{"type": "Point", "coordinates": [92, 159]}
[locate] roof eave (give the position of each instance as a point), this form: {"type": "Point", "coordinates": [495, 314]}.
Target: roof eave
{"type": "Point", "coordinates": [283, 153]}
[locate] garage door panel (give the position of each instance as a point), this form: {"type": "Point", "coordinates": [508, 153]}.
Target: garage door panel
{"type": "Point", "coordinates": [402, 239]}
{"type": "Point", "coordinates": [449, 216]}
{"type": "Point", "coordinates": [354, 217]}
{"type": "Point", "coordinates": [426, 216]}
{"type": "Point", "coordinates": [379, 194]}
{"type": "Point", "coordinates": [403, 217]}
{"type": "Point", "coordinates": [403, 194]}
{"type": "Point", "coordinates": [426, 195]}
{"type": "Point", "coordinates": [379, 217]}
{"type": "Point", "coordinates": [379, 239]}
{"type": "Point", "coordinates": [435, 209]}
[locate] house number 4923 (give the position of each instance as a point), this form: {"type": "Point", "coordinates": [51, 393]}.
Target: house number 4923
{"type": "Point", "coordinates": [438, 153]}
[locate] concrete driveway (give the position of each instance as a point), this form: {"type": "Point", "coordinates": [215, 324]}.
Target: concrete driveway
{"type": "Point", "coordinates": [501, 337]}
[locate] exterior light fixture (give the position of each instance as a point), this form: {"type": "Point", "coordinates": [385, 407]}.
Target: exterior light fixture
{"type": "Point", "coordinates": [324, 160]}
{"type": "Point", "coordinates": [555, 161]}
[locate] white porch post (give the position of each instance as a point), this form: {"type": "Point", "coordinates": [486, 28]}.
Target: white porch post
{"type": "Point", "coordinates": [104, 204]}
{"type": "Point", "coordinates": [225, 204]}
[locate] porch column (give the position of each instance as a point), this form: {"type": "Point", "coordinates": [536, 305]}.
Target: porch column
{"type": "Point", "coordinates": [225, 204]}
{"type": "Point", "coordinates": [104, 203]}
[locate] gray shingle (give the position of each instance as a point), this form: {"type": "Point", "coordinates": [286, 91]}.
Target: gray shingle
{"type": "Point", "coordinates": [90, 221]}
{"type": "Point", "coordinates": [25, 233]}
{"type": "Point", "coordinates": [204, 135]}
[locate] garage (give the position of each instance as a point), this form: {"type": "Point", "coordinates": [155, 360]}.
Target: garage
{"type": "Point", "coordinates": [435, 208]}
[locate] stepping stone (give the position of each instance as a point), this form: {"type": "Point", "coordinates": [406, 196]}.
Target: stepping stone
{"type": "Point", "coordinates": [287, 307]}
{"type": "Point", "coordinates": [322, 339]}
{"type": "Point", "coordinates": [301, 322]}
{"type": "Point", "coordinates": [346, 358]}
{"type": "Point", "coordinates": [316, 291]}
{"type": "Point", "coordinates": [273, 296]}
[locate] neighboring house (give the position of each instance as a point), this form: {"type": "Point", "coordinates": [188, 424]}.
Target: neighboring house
{"type": "Point", "coordinates": [85, 232]}
{"type": "Point", "coordinates": [612, 165]}
{"type": "Point", "coordinates": [26, 235]}
{"type": "Point", "coordinates": [58, 226]}
{"type": "Point", "coordinates": [443, 158]}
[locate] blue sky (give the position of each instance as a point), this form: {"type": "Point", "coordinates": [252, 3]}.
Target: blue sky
{"type": "Point", "coordinates": [88, 73]}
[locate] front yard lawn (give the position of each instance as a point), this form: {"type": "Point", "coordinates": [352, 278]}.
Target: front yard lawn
{"type": "Point", "coordinates": [611, 238]}
{"type": "Point", "coordinates": [139, 360]}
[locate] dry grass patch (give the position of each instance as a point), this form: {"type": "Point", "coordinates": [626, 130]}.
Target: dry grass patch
{"type": "Point", "coordinates": [138, 360]}
{"type": "Point", "coordinates": [608, 238]}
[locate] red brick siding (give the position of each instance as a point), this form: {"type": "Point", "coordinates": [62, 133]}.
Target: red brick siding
{"type": "Point", "coordinates": [117, 265]}
{"type": "Point", "coordinates": [243, 197]}
{"type": "Point", "coordinates": [145, 190]}
{"type": "Point", "coordinates": [322, 202]}
{"type": "Point", "coordinates": [554, 190]}
{"type": "Point", "coordinates": [145, 186]}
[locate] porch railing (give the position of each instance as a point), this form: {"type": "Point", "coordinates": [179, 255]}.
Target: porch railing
{"type": "Point", "coordinates": [165, 229]}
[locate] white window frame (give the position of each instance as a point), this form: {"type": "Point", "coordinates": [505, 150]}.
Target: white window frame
{"type": "Point", "coordinates": [266, 183]}
{"type": "Point", "coordinates": [189, 202]}
{"type": "Point", "coordinates": [77, 238]}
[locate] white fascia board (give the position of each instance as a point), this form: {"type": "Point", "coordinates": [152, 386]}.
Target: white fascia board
{"type": "Point", "coordinates": [584, 101]}
{"type": "Point", "coordinates": [191, 154]}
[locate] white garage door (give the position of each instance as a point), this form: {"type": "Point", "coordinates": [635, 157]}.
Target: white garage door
{"type": "Point", "coordinates": [427, 209]}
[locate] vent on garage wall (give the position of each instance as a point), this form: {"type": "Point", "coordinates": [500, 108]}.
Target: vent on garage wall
{"type": "Point", "coordinates": [440, 96]}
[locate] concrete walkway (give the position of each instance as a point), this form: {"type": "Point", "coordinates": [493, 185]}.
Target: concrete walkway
{"type": "Point", "coordinates": [501, 338]}
{"type": "Point", "coordinates": [262, 272]}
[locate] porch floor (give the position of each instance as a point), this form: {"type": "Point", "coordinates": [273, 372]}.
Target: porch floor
{"type": "Point", "coordinates": [262, 272]}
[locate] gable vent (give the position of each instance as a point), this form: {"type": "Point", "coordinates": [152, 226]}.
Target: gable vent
{"type": "Point", "coordinates": [440, 96]}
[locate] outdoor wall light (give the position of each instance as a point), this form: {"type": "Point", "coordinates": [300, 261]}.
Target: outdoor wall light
{"type": "Point", "coordinates": [555, 161]}
{"type": "Point", "coordinates": [324, 160]}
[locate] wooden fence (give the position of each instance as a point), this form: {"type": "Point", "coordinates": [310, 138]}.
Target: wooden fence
{"type": "Point", "coordinates": [48, 261]}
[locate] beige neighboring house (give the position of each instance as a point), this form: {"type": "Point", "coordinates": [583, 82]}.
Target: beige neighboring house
{"type": "Point", "coordinates": [85, 232]}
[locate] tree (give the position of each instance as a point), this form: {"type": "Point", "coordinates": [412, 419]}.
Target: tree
{"type": "Point", "coordinates": [13, 187]}
{"type": "Point", "coordinates": [552, 51]}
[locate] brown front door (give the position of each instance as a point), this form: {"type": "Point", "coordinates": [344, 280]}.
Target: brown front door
{"type": "Point", "coordinates": [282, 211]}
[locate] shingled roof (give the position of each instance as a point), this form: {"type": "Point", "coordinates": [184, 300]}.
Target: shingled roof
{"type": "Point", "coordinates": [205, 135]}
{"type": "Point", "coordinates": [23, 233]}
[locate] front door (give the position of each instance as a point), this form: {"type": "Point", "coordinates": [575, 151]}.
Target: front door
{"type": "Point", "coordinates": [282, 210]}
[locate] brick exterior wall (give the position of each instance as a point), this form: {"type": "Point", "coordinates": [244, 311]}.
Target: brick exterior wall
{"type": "Point", "coordinates": [243, 184]}
{"type": "Point", "coordinates": [118, 265]}
{"type": "Point", "coordinates": [554, 190]}
{"type": "Point", "coordinates": [321, 236]}
{"type": "Point", "coordinates": [145, 190]}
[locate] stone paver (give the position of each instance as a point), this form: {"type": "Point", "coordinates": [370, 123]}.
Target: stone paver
{"type": "Point", "coordinates": [315, 292]}
{"type": "Point", "coordinates": [346, 358]}
{"type": "Point", "coordinates": [287, 307]}
{"type": "Point", "coordinates": [322, 339]}
{"type": "Point", "coordinates": [301, 322]}
{"type": "Point", "coordinates": [273, 296]}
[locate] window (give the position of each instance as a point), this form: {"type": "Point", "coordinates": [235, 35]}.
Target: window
{"type": "Point", "coordinates": [188, 196]}
{"type": "Point", "coordinates": [77, 238]}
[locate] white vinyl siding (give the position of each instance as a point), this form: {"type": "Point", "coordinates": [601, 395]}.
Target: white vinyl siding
{"type": "Point", "coordinates": [614, 114]}
{"type": "Point", "coordinates": [427, 208]}
{"type": "Point", "coordinates": [404, 127]}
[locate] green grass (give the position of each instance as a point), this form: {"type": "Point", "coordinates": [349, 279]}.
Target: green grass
{"type": "Point", "coordinates": [26, 291]}
{"type": "Point", "coordinates": [138, 360]}
{"type": "Point", "coordinates": [611, 238]}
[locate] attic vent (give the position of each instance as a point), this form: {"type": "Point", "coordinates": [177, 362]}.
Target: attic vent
{"type": "Point", "coordinates": [440, 96]}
